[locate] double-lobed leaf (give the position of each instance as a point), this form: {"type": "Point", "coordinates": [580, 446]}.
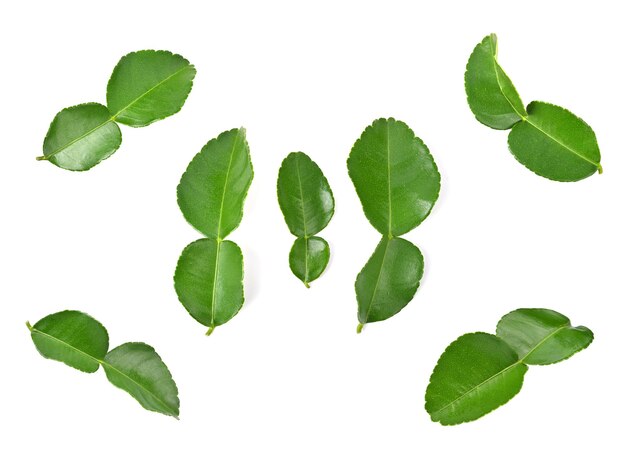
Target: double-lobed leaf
{"type": "Point", "coordinates": [394, 175]}
{"type": "Point", "coordinates": [307, 203]}
{"type": "Point", "coordinates": [479, 372]}
{"type": "Point", "coordinates": [80, 341]}
{"type": "Point", "coordinates": [398, 184]}
{"type": "Point", "coordinates": [145, 86]}
{"type": "Point", "coordinates": [211, 194]}
{"type": "Point", "coordinates": [547, 139]}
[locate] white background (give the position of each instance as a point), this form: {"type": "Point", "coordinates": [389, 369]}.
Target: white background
{"type": "Point", "coordinates": [288, 377]}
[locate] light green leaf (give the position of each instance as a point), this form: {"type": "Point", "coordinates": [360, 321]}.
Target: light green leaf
{"type": "Point", "coordinates": [394, 175]}
{"type": "Point", "coordinates": [212, 190]}
{"type": "Point", "coordinates": [308, 258]}
{"type": "Point", "coordinates": [476, 374]}
{"type": "Point", "coordinates": [80, 137]}
{"type": "Point", "coordinates": [137, 369]}
{"type": "Point", "coordinates": [490, 93]}
{"type": "Point", "coordinates": [71, 337]}
{"type": "Point", "coordinates": [541, 336]}
{"type": "Point", "coordinates": [556, 144]}
{"type": "Point", "coordinates": [209, 281]}
{"type": "Point", "coordinates": [388, 281]}
{"type": "Point", "coordinates": [147, 86]}
{"type": "Point", "coordinates": [304, 196]}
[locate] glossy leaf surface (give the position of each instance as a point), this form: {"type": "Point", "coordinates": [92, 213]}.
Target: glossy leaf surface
{"type": "Point", "coordinates": [73, 338]}
{"type": "Point", "coordinates": [490, 93]}
{"type": "Point", "coordinates": [555, 143]}
{"type": "Point", "coordinates": [209, 281]}
{"type": "Point", "coordinates": [80, 137]}
{"type": "Point", "coordinates": [476, 374]}
{"type": "Point", "coordinates": [304, 196]}
{"type": "Point", "coordinates": [137, 369]}
{"type": "Point", "coordinates": [389, 279]}
{"type": "Point", "coordinates": [541, 336]}
{"type": "Point", "coordinates": [212, 190]}
{"type": "Point", "coordinates": [308, 258]}
{"type": "Point", "coordinates": [147, 86]}
{"type": "Point", "coordinates": [395, 177]}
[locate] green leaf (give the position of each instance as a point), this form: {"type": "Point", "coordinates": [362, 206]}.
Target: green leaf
{"type": "Point", "coordinates": [476, 374]}
{"type": "Point", "coordinates": [147, 86]}
{"type": "Point", "coordinates": [388, 281]}
{"type": "Point", "coordinates": [394, 175]}
{"type": "Point", "coordinates": [212, 190]}
{"type": "Point", "coordinates": [304, 196]}
{"type": "Point", "coordinates": [137, 369]}
{"type": "Point", "coordinates": [209, 281]}
{"type": "Point", "coordinates": [490, 93]}
{"type": "Point", "coordinates": [556, 144]}
{"type": "Point", "coordinates": [308, 258]}
{"type": "Point", "coordinates": [71, 337]}
{"type": "Point", "coordinates": [541, 336]}
{"type": "Point", "coordinates": [80, 137]}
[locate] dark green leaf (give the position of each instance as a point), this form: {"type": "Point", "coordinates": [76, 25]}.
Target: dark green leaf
{"type": "Point", "coordinates": [476, 374]}
{"type": "Point", "coordinates": [147, 86]}
{"type": "Point", "coordinates": [555, 143]}
{"type": "Point", "coordinates": [490, 93]}
{"type": "Point", "coordinates": [137, 369]}
{"type": "Point", "coordinates": [304, 195]}
{"type": "Point", "coordinates": [388, 280]}
{"type": "Point", "coordinates": [209, 281]}
{"type": "Point", "coordinates": [394, 175]}
{"type": "Point", "coordinates": [80, 137]}
{"type": "Point", "coordinates": [541, 336]}
{"type": "Point", "coordinates": [212, 190]}
{"type": "Point", "coordinates": [308, 258]}
{"type": "Point", "coordinates": [71, 337]}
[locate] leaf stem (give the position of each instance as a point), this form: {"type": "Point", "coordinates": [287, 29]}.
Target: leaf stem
{"type": "Point", "coordinates": [41, 158]}
{"type": "Point", "coordinates": [359, 328]}
{"type": "Point", "coordinates": [599, 168]}
{"type": "Point", "coordinates": [30, 328]}
{"type": "Point", "coordinates": [210, 331]}
{"type": "Point", "coordinates": [306, 283]}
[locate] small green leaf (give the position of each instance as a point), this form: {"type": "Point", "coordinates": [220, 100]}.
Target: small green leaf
{"type": "Point", "coordinates": [71, 337]}
{"type": "Point", "coordinates": [209, 281]}
{"type": "Point", "coordinates": [137, 369]}
{"type": "Point", "coordinates": [542, 336]}
{"type": "Point", "coordinates": [212, 190]}
{"type": "Point", "coordinates": [308, 258]}
{"type": "Point", "coordinates": [304, 196]}
{"type": "Point", "coordinates": [147, 86]}
{"type": "Point", "coordinates": [388, 281]}
{"type": "Point", "coordinates": [476, 374]}
{"type": "Point", "coordinates": [555, 143]}
{"type": "Point", "coordinates": [490, 93]}
{"type": "Point", "coordinates": [394, 175]}
{"type": "Point", "coordinates": [80, 137]}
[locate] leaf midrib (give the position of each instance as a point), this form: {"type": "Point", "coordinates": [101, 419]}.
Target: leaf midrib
{"type": "Point", "coordinates": [494, 52]}
{"type": "Point", "coordinates": [382, 264]}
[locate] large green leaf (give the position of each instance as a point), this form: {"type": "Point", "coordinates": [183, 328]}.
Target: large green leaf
{"type": "Point", "coordinates": [212, 190]}
{"type": "Point", "coordinates": [80, 137]}
{"type": "Point", "coordinates": [304, 195]}
{"type": "Point", "coordinates": [388, 281]}
{"type": "Point", "coordinates": [394, 175]}
{"type": "Point", "coordinates": [308, 258]}
{"type": "Point", "coordinates": [476, 374]}
{"type": "Point", "coordinates": [147, 86]}
{"type": "Point", "coordinates": [71, 337]}
{"type": "Point", "coordinates": [541, 336]}
{"type": "Point", "coordinates": [137, 369]}
{"type": "Point", "coordinates": [209, 281]}
{"type": "Point", "coordinates": [555, 143]}
{"type": "Point", "coordinates": [490, 93]}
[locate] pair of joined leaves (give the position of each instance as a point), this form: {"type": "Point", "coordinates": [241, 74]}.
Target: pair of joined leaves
{"type": "Point", "coordinates": [479, 372]}
{"type": "Point", "coordinates": [307, 203]}
{"type": "Point", "coordinates": [211, 194]}
{"type": "Point", "coordinates": [547, 139]}
{"type": "Point", "coordinates": [81, 342]}
{"type": "Point", "coordinates": [145, 86]}
{"type": "Point", "coordinates": [398, 184]}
